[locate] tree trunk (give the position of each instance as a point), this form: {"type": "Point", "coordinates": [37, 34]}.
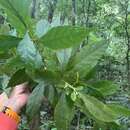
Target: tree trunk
{"type": "Point", "coordinates": [52, 6]}
{"type": "Point", "coordinates": [62, 18]}
{"type": "Point", "coordinates": [73, 12]}
{"type": "Point", "coordinates": [128, 42]}
{"type": "Point", "coordinates": [87, 19]}
{"type": "Point", "coordinates": [33, 9]}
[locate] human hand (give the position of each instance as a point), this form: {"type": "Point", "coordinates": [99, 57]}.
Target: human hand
{"type": "Point", "coordinates": [18, 98]}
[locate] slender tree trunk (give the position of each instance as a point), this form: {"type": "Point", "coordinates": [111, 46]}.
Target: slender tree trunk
{"type": "Point", "coordinates": [78, 120]}
{"type": "Point", "coordinates": [128, 42]}
{"type": "Point", "coordinates": [83, 12]}
{"type": "Point", "coordinates": [86, 4]}
{"type": "Point", "coordinates": [62, 18]}
{"type": "Point", "coordinates": [33, 9]}
{"type": "Point", "coordinates": [88, 12]}
{"type": "Point", "coordinates": [50, 13]}
{"type": "Point", "coordinates": [52, 6]}
{"type": "Point", "coordinates": [87, 19]}
{"type": "Point", "coordinates": [73, 12]}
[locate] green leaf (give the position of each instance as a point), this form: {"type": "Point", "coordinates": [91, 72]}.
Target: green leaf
{"type": "Point", "coordinates": [64, 113]}
{"type": "Point", "coordinates": [42, 27]}
{"type": "Point", "coordinates": [107, 126]}
{"type": "Point", "coordinates": [63, 57]}
{"type": "Point", "coordinates": [93, 92]}
{"type": "Point", "coordinates": [19, 77]}
{"type": "Point", "coordinates": [12, 65]}
{"type": "Point", "coordinates": [120, 110]}
{"type": "Point", "coordinates": [62, 37]}
{"type": "Point", "coordinates": [4, 29]}
{"type": "Point", "coordinates": [35, 100]}
{"type": "Point", "coordinates": [91, 74]}
{"type": "Point", "coordinates": [51, 94]}
{"type": "Point", "coordinates": [4, 55]}
{"type": "Point", "coordinates": [97, 109]}
{"type": "Point", "coordinates": [18, 12]}
{"type": "Point", "coordinates": [8, 42]}
{"type": "Point", "coordinates": [50, 59]}
{"type": "Point", "coordinates": [45, 75]}
{"type": "Point", "coordinates": [29, 54]}
{"type": "Point", "coordinates": [88, 57]}
{"type": "Point", "coordinates": [105, 87]}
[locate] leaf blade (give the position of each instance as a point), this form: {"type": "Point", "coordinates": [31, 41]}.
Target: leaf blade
{"type": "Point", "coordinates": [105, 87]}
{"type": "Point", "coordinates": [19, 77]}
{"type": "Point", "coordinates": [18, 12]}
{"type": "Point", "coordinates": [99, 110]}
{"type": "Point", "coordinates": [8, 42]}
{"type": "Point", "coordinates": [88, 57]}
{"type": "Point", "coordinates": [63, 120]}
{"type": "Point", "coordinates": [35, 100]}
{"type": "Point", "coordinates": [62, 37]}
{"type": "Point", "coordinates": [29, 54]}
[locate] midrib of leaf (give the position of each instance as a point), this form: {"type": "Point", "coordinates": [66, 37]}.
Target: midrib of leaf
{"type": "Point", "coordinates": [17, 14]}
